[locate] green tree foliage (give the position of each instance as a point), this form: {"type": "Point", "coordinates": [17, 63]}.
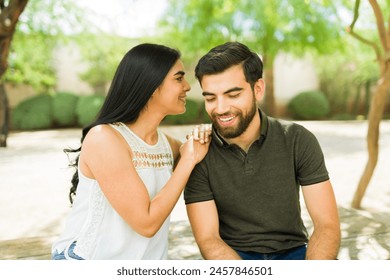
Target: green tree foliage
{"type": "Point", "coordinates": [31, 65]}
{"type": "Point", "coordinates": [344, 77]}
{"type": "Point", "coordinates": [102, 54]}
{"type": "Point", "coordinates": [269, 27]}
{"type": "Point", "coordinates": [197, 25]}
{"type": "Point", "coordinates": [43, 25]}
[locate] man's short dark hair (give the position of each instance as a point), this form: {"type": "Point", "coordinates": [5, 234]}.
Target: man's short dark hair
{"type": "Point", "coordinates": [229, 54]}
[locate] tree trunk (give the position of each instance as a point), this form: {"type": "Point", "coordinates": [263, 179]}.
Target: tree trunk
{"type": "Point", "coordinates": [269, 91]}
{"type": "Point", "coordinates": [4, 106]}
{"type": "Point", "coordinates": [4, 116]}
{"type": "Point", "coordinates": [374, 118]}
{"type": "Point", "coordinates": [9, 16]}
{"type": "Point", "coordinates": [268, 74]}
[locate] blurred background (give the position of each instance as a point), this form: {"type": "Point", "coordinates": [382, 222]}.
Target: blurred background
{"type": "Point", "coordinates": [325, 64]}
{"type": "Point", "coordinates": [64, 54]}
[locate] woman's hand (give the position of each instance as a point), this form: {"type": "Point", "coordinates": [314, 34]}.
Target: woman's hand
{"type": "Point", "coordinates": [201, 133]}
{"type": "Point", "coordinates": [197, 144]}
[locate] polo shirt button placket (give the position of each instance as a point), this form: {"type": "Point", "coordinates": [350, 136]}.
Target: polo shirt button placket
{"type": "Point", "coordinates": [248, 166]}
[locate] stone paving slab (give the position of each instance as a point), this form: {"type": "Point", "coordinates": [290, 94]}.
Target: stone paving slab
{"type": "Point", "coordinates": [34, 184]}
{"type": "Point", "coordinates": [31, 248]}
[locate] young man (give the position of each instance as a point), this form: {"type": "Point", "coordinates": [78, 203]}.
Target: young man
{"type": "Point", "coordinates": [243, 198]}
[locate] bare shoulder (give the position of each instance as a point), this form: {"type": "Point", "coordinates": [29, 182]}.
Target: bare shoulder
{"type": "Point", "coordinates": [103, 136]}
{"type": "Point", "coordinates": [102, 144]}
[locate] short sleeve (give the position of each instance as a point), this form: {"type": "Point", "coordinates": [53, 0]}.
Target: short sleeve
{"type": "Point", "coordinates": [198, 187]}
{"type": "Point", "coordinates": [310, 162]}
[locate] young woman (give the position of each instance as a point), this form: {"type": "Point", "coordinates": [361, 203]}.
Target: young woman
{"type": "Point", "coordinates": [126, 186]}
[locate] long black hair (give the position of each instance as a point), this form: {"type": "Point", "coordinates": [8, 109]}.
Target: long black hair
{"type": "Point", "coordinates": [139, 74]}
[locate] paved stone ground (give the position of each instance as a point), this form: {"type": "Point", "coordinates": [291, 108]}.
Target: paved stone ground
{"type": "Point", "coordinates": [34, 183]}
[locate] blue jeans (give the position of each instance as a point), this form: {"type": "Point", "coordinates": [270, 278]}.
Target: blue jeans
{"type": "Point", "coordinates": [71, 255]}
{"type": "Point", "coordinates": [298, 253]}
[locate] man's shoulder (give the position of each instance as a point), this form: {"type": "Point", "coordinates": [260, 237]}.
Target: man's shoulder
{"type": "Point", "coordinates": [284, 125]}
{"type": "Point", "coordinates": [291, 131]}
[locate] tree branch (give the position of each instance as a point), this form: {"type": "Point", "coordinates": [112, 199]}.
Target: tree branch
{"type": "Point", "coordinates": [8, 20]}
{"type": "Point", "coordinates": [355, 14]}
{"type": "Point", "coordinates": [380, 24]}
{"type": "Point", "coordinates": [351, 31]}
{"type": "Point", "coordinates": [388, 31]}
{"type": "Point", "coordinates": [9, 17]}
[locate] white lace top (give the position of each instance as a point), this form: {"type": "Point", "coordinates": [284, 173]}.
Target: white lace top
{"type": "Point", "coordinates": [98, 229]}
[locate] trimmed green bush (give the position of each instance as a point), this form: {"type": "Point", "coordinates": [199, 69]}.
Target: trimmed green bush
{"type": "Point", "coordinates": [33, 113]}
{"type": "Point", "coordinates": [64, 109]}
{"type": "Point", "coordinates": [344, 117]}
{"type": "Point", "coordinates": [309, 105]}
{"type": "Point", "coordinates": [190, 116]}
{"type": "Point", "coordinates": [204, 116]}
{"type": "Point", "coordinates": [87, 108]}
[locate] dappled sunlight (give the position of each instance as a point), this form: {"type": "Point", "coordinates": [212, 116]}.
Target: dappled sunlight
{"type": "Point", "coordinates": [182, 243]}
{"type": "Point", "coordinates": [35, 177]}
{"type": "Point", "coordinates": [363, 236]}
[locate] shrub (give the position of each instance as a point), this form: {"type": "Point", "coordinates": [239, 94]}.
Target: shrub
{"type": "Point", "coordinates": [33, 113]}
{"type": "Point", "coordinates": [204, 116]}
{"type": "Point", "coordinates": [190, 116]}
{"type": "Point", "coordinates": [309, 105]}
{"type": "Point", "coordinates": [344, 117]}
{"type": "Point", "coordinates": [64, 109]}
{"type": "Point", "coordinates": [87, 108]}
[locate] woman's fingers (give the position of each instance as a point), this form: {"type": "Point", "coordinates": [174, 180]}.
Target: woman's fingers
{"type": "Point", "coordinates": [201, 133]}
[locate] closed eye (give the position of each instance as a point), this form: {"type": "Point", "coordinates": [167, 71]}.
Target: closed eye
{"type": "Point", "coordinates": [210, 99]}
{"type": "Point", "coordinates": [234, 95]}
{"type": "Point", "coordinates": [208, 96]}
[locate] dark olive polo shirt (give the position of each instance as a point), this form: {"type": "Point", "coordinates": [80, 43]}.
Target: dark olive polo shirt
{"type": "Point", "coordinates": [257, 194]}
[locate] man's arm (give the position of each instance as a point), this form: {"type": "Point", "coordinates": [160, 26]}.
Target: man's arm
{"type": "Point", "coordinates": [320, 201]}
{"type": "Point", "coordinates": [203, 217]}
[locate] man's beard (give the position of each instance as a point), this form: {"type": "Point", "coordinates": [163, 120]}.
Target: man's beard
{"type": "Point", "coordinates": [240, 128]}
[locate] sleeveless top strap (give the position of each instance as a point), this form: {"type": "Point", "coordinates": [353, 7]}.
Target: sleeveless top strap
{"type": "Point", "coordinates": [145, 155]}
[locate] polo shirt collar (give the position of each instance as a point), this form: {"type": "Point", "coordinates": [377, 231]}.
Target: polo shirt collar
{"type": "Point", "coordinates": [263, 132]}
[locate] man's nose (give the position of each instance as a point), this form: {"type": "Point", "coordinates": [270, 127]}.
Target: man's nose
{"type": "Point", "coordinates": [221, 106]}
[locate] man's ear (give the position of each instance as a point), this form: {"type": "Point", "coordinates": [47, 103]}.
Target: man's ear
{"type": "Point", "coordinates": [259, 89]}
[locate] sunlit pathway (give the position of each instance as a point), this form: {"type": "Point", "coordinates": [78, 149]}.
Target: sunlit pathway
{"type": "Point", "coordinates": [34, 184]}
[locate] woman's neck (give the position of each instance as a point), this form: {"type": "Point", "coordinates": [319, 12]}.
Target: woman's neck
{"type": "Point", "coordinates": [145, 127]}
